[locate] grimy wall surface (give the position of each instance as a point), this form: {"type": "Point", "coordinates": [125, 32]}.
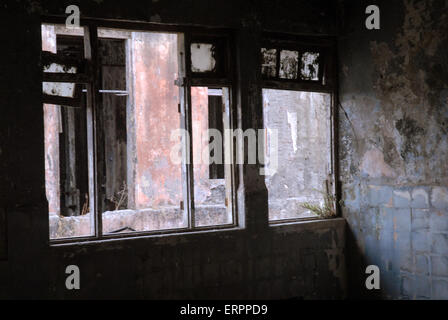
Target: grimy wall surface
{"type": "Point", "coordinates": [394, 147]}
{"type": "Point", "coordinates": [257, 261]}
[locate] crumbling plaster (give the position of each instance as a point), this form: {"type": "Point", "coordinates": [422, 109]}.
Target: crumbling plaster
{"type": "Point", "coordinates": [394, 146]}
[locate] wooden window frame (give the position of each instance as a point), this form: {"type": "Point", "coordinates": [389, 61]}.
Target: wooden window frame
{"type": "Point", "coordinates": [328, 46]}
{"type": "Point", "coordinates": [185, 81]}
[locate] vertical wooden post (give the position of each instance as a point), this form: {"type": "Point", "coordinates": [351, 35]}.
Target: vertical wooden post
{"type": "Point", "coordinates": [185, 119]}
{"type": "Point", "coordinates": [228, 155]}
{"type": "Point", "coordinates": [91, 55]}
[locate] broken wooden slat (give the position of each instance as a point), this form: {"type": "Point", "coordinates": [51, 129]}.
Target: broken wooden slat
{"type": "Point", "coordinates": [65, 77]}
{"type": "Point", "coordinates": [48, 58]}
{"type": "Point", "coordinates": [61, 101]}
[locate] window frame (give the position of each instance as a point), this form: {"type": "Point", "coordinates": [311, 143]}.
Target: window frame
{"type": "Point", "coordinates": [186, 80]}
{"type": "Point", "coordinates": [328, 46]}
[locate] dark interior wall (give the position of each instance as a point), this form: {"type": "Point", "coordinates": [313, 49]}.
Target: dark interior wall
{"type": "Point", "coordinates": [394, 147]}
{"type": "Point", "coordinates": [304, 260]}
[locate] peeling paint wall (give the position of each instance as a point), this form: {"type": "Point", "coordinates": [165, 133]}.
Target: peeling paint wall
{"type": "Point", "coordinates": [394, 146]}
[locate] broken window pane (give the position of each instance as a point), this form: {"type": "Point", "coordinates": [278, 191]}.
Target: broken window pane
{"type": "Point", "coordinates": [269, 62]}
{"type": "Point", "coordinates": [202, 57]}
{"type": "Point", "coordinates": [142, 185]}
{"type": "Point", "coordinates": [301, 121]}
{"type": "Point", "coordinates": [310, 66]}
{"type": "Point", "coordinates": [139, 174]}
{"type": "Point", "coordinates": [67, 172]}
{"type": "Point", "coordinates": [209, 187]}
{"type": "Point", "coordinates": [289, 61]}
{"type": "Point", "coordinates": [59, 88]}
{"type": "Point", "coordinates": [66, 169]}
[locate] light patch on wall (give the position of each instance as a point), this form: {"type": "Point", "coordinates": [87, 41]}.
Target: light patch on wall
{"type": "Point", "coordinates": [373, 164]}
{"type": "Point", "coordinates": [292, 121]}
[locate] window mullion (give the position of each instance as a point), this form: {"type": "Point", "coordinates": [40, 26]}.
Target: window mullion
{"type": "Point", "coordinates": [228, 153]}
{"type": "Point", "coordinates": [91, 55]}
{"type": "Point", "coordinates": [185, 118]}
{"type": "Point", "coordinates": [190, 165]}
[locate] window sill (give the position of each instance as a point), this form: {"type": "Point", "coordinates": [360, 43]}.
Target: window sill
{"type": "Point", "coordinates": [182, 235]}
{"type": "Point", "coordinates": [161, 236]}
{"type": "Point", "coordinates": [308, 224]}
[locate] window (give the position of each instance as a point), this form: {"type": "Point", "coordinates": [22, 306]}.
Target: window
{"type": "Point", "coordinates": [298, 121]}
{"type": "Point", "coordinates": [130, 118]}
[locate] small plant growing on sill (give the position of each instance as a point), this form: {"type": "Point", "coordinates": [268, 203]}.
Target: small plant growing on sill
{"type": "Point", "coordinates": [119, 200]}
{"type": "Point", "coordinates": [327, 210]}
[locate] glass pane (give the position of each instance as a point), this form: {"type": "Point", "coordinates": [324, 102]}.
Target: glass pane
{"type": "Point", "coordinates": [289, 61]}
{"type": "Point", "coordinates": [66, 155]}
{"type": "Point", "coordinates": [208, 158]}
{"type": "Point", "coordinates": [202, 57]}
{"type": "Point", "coordinates": [269, 62]}
{"type": "Point", "coordinates": [142, 184]}
{"type": "Point", "coordinates": [302, 126]}
{"type": "Point", "coordinates": [310, 66]}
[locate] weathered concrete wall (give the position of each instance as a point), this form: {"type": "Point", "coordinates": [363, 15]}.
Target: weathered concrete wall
{"type": "Point", "coordinates": [158, 181]}
{"type": "Point", "coordinates": [295, 261]}
{"type": "Point", "coordinates": [394, 147]}
{"type": "Point", "coordinates": [302, 120]}
{"type": "Point", "coordinates": [303, 260]}
{"type": "Point", "coordinates": [51, 125]}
